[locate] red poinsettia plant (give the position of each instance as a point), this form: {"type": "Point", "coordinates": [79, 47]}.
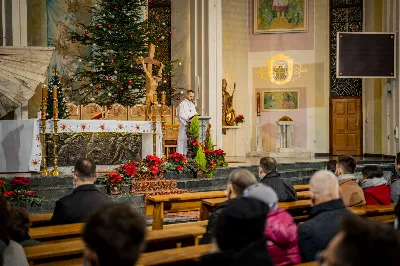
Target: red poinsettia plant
{"type": "Point", "coordinates": [152, 163]}
{"type": "Point", "coordinates": [128, 171]}
{"type": "Point", "coordinates": [114, 180]}
{"type": "Point", "coordinates": [176, 162]}
{"type": "Point", "coordinates": [18, 192]}
{"type": "Point", "coordinates": [239, 119]}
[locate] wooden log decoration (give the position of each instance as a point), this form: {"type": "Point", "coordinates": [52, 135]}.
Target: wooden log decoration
{"type": "Point", "coordinates": [44, 171]}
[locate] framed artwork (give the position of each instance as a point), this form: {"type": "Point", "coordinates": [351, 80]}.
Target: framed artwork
{"type": "Point", "coordinates": [280, 100]}
{"type": "Point", "coordinates": [277, 16]}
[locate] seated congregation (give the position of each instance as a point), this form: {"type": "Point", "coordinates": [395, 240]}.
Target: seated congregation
{"type": "Point", "coordinates": [252, 227]}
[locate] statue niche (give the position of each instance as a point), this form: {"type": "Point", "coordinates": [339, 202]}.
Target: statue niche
{"type": "Point", "coordinates": [228, 113]}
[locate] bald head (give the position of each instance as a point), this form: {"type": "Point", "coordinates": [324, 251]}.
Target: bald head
{"type": "Point", "coordinates": [324, 187]}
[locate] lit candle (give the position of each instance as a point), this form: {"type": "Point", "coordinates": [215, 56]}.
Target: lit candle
{"type": "Point", "coordinates": [154, 97]}
{"type": "Point", "coordinates": [44, 93]}
{"type": "Point", "coordinates": [163, 97]}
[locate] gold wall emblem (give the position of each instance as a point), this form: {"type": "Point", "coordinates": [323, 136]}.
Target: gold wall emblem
{"type": "Point", "coordinates": [280, 70]}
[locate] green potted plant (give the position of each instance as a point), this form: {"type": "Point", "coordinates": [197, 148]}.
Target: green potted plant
{"type": "Point", "coordinates": [201, 163]}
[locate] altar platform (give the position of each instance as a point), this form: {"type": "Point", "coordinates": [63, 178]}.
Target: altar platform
{"type": "Point", "coordinates": [105, 141]}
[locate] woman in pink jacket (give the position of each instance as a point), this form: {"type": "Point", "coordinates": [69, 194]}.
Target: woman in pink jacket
{"type": "Point", "coordinates": [280, 229]}
{"type": "Point", "coordinates": [282, 242]}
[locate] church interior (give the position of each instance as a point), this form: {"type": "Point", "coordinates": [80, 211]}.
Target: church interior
{"type": "Point", "coordinates": [158, 104]}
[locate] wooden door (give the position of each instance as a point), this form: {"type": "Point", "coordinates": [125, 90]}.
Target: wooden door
{"type": "Point", "coordinates": [346, 126]}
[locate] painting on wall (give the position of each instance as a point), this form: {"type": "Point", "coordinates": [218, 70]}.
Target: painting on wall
{"type": "Point", "coordinates": [280, 100]}
{"type": "Point", "coordinates": [277, 16]}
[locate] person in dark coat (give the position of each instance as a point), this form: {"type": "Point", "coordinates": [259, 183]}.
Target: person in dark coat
{"type": "Point", "coordinates": [363, 242]}
{"type": "Point", "coordinates": [238, 181]}
{"type": "Point", "coordinates": [239, 236]}
{"type": "Point", "coordinates": [270, 177]}
{"type": "Point", "coordinates": [85, 199]}
{"type": "Point", "coordinates": [324, 220]}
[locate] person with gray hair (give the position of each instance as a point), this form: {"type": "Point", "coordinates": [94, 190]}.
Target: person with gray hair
{"type": "Point", "coordinates": [238, 181]}
{"type": "Point", "coordinates": [324, 220]}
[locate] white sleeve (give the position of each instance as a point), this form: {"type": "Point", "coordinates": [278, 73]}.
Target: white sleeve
{"type": "Point", "coordinates": [183, 113]}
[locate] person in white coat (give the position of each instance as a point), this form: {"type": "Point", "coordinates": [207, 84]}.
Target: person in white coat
{"type": "Point", "coordinates": [186, 111]}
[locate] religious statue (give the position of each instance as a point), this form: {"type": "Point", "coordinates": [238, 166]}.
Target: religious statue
{"type": "Point", "coordinates": [228, 113]}
{"type": "Point", "coordinates": [151, 81]}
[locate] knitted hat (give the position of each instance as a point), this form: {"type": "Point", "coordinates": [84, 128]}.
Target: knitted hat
{"type": "Point", "coordinates": [241, 223]}
{"type": "Point", "coordinates": [262, 193]}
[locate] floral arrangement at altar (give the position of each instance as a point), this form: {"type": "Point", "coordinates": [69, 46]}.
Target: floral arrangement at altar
{"type": "Point", "coordinates": [177, 162]}
{"type": "Point", "coordinates": [18, 192]}
{"type": "Point", "coordinates": [113, 183]}
{"type": "Point", "coordinates": [239, 119]}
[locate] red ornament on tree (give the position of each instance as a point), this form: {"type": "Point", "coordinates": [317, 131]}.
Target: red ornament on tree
{"type": "Point", "coordinates": [86, 32]}
{"type": "Point", "coordinates": [90, 11]}
{"type": "Point", "coordinates": [130, 81]}
{"type": "Point", "coordinates": [97, 25]}
{"type": "Point", "coordinates": [70, 95]}
{"type": "Point", "coordinates": [97, 86]}
{"type": "Point", "coordinates": [172, 92]}
{"type": "Point", "coordinates": [109, 107]}
{"type": "Point", "coordinates": [131, 98]}
{"type": "Point", "coordinates": [112, 99]}
{"type": "Point", "coordinates": [109, 26]}
{"type": "Point", "coordinates": [179, 98]}
{"type": "Point", "coordinates": [73, 41]}
{"type": "Point", "coordinates": [102, 85]}
{"type": "Point", "coordinates": [158, 36]}
{"type": "Point", "coordinates": [96, 92]}
{"type": "Point", "coordinates": [68, 87]}
{"type": "Point", "coordinates": [121, 88]}
{"type": "Point", "coordinates": [170, 33]}
{"type": "Point", "coordinates": [109, 77]}
{"type": "Point", "coordinates": [80, 79]}
{"type": "Point", "coordinates": [131, 53]}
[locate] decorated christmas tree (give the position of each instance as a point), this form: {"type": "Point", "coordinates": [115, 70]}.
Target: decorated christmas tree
{"type": "Point", "coordinates": [62, 108]}
{"type": "Point", "coordinates": [116, 41]}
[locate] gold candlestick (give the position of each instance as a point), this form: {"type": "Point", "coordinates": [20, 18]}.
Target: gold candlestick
{"type": "Point", "coordinates": [56, 171]}
{"type": "Point", "coordinates": [44, 170]}
{"type": "Point", "coordinates": [163, 98]}
{"type": "Point", "coordinates": [154, 119]}
{"type": "Point", "coordinates": [155, 98]}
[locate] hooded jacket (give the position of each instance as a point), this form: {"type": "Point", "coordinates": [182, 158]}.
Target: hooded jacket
{"type": "Point", "coordinates": [239, 235]}
{"type": "Point", "coordinates": [282, 241]}
{"type": "Point", "coordinates": [379, 195]}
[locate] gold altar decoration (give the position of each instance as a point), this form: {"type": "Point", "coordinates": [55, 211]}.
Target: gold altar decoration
{"type": "Point", "coordinates": [44, 171]}
{"type": "Point", "coordinates": [258, 99]}
{"type": "Point", "coordinates": [280, 70]}
{"type": "Point", "coordinates": [228, 113]}
{"type": "Point", "coordinates": [56, 171]}
{"type": "Point", "coordinates": [285, 118]}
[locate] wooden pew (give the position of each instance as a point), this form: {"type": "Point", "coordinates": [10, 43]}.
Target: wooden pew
{"type": "Point", "coordinates": [299, 188]}
{"type": "Point", "coordinates": [209, 205]}
{"type": "Point", "coordinates": [312, 263]}
{"type": "Point", "coordinates": [162, 257]}
{"type": "Point", "coordinates": [40, 219]}
{"type": "Point", "coordinates": [155, 239]}
{"type": "Point", "coordinates": [56, 232]}
{"type": "Point", "coordinates": [177, 202]}
{"type": "Point", "coordinates": [170, 256]}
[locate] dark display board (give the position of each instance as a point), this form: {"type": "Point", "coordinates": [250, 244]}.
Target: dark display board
{"type": "Point", "coordinates": [366, 55]}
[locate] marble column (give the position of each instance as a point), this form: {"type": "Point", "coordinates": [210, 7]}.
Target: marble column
{"type": "Point", "coordinates": [180, 43]}
{"type": "Point", "coordinates": [206, 63]}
